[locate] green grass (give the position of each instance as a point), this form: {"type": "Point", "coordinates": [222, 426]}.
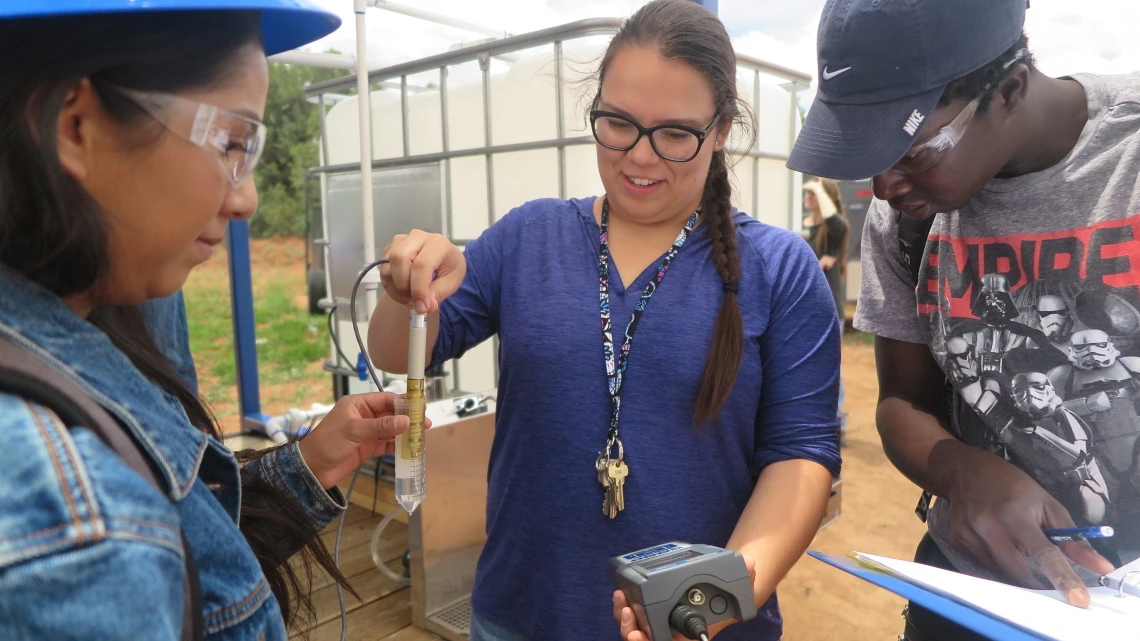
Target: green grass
{"type": "Point", "coordinates": [856, 337]}
{"type": "Point", "coordinates": [288, 338]}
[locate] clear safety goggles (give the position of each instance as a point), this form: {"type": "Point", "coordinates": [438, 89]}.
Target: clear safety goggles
{"type": "Point", "coordinates": [919, 159]}
{"type": "Point", "coordinates": [922, 157]}
{"type": "Point", "coordinates": [235, 141]}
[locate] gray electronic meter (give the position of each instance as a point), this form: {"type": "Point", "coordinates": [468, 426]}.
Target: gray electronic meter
{"type": "Point", "coordinates": [683, 587]}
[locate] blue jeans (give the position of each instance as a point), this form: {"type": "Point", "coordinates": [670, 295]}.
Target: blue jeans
{"type": "Point", "coordinates": [484, 630]}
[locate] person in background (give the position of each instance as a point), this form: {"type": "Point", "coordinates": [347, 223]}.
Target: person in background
{"type": "Point", "coordinates": [728, 431]}
{"type": "Point", "coordinates": [997, 257]}
{"type": "Point", "coordinates": [130, 132]}
{"type": "Point", "coordinates": [828, 230]}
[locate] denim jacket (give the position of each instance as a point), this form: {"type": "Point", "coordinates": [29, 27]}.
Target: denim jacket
{"type": "Point", "coordinates": [88, 549]}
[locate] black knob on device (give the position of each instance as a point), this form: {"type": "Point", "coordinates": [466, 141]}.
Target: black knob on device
{"type": "Point", "coordinates": [688, 622]}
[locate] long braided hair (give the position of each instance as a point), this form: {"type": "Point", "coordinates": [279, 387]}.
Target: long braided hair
{"type": "Point", "coordinates": [683, 30]}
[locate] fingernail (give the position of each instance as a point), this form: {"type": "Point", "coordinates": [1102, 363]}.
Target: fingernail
{"type": "Point", "coordinates": [615, 599]}
{"type": "Point", "coordinates": [625, 617]}
{"type": "Point", "coordinates": [421, 308]}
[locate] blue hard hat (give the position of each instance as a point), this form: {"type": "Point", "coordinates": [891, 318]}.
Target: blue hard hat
{"type": "Point", "coordinates": [285, 24]}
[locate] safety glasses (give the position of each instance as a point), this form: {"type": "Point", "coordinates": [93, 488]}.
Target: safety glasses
{"type": "Point", "coordinates": [930, 153]}
{"type": "Point", "coordinates": [235, 141]}
{"type": "Point", "coordinates": [922, 157]}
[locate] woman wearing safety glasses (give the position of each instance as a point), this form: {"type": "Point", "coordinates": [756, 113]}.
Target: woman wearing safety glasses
{"type": "Point", "coordinates": [128, 136]}
{"type": "Point", "coordinates": [668, 365]}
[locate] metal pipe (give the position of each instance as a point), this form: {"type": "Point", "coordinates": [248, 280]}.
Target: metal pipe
{"type": "Point", "coordinates": [792, 121]}
{"type": "Point", "coordinates": [505, 57]}
{"type": "Point", "coordinates": [312, 59]}
{"type": "Point", "coordinates": [363, 96]}
{"type": "Point", "coordinates": [558, 109]}
{"type": "Point", "coordinates": [244, 323]}
{"type": "Point", "coordinates": [404, 114]}
{"type": "Point", "coordinates": [324, 129]}
{"type": "Point", "coordinates": [756, 146]}
{"type": "Point", "coordinates": [446, 161]}
{"type": "Point", "coordinates": [770, 68]}
{"type": "Point", "coordinates": [437, 18]}
{"type": "Point", "coordinates": [485, 64]}
{"type": "Point", "coordinates": [387, 163]}
{"type": "Point", "coordinates": [578, 29]}
{"type": "Point", "coordinates": [324, 207]}
{"type": "Point", "coordinates": [581, 28]}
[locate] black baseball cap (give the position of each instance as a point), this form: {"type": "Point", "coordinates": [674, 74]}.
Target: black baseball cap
{"type": "Point", "coordinates": [883, 65]}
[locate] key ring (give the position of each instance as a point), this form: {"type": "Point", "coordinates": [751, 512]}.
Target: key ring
{"type": "Point", "coordinates": [610, 446]}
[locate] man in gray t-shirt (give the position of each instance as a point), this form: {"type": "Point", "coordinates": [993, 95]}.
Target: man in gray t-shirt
{"type": "Point", "coordinates": [1001, 263]}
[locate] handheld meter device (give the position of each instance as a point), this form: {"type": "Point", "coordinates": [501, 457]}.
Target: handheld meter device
{"type": "Point", "coordinates": [682, 587]}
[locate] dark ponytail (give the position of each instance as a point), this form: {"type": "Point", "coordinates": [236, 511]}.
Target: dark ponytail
{"type": "Point", "coordinates": [54, 233]}
{"type": "Point", "coordinates": [683, 30]}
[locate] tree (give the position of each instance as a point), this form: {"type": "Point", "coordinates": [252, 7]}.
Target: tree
{"type": "Point", "coordinates": [291, 149]}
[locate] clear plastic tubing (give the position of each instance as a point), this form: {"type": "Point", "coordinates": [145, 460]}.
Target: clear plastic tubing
{"type": "Point", "coordinates": [411, 446]}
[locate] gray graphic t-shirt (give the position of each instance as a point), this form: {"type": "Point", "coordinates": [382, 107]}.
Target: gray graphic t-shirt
{"type": "Point", "coordinates": [1029, 299]}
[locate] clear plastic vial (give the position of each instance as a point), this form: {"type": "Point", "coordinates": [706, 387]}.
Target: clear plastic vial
{"type": "Point", "coordinates": [411, 446]}
{"type": "Point", "coordinates": [409, 467]}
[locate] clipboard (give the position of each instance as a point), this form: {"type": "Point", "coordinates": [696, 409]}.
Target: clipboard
{"type": "Point", "coordinates": [999, 610]}
{"type": "Point", "coordinates": [947, 606]}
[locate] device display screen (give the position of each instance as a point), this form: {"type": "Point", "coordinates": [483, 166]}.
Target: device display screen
{"type": "Point", "coordinates": [669, 560]}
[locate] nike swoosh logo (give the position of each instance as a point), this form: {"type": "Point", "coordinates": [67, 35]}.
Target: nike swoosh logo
{"type": "Point", "coordinates": [828, 75]}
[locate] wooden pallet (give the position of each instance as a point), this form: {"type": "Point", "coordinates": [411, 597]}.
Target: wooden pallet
{"type": "Point", "coordinates": [384, 611]}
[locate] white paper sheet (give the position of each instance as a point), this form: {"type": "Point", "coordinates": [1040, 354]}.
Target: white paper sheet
{"type": "Point", "coordinates": [1042, 612]}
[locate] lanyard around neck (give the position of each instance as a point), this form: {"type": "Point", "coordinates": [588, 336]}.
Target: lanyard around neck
{"type": "Point", "coordinates": [616, 363]}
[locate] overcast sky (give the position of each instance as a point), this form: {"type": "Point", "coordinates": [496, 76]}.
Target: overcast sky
{"type": "Point", "coordinates": [1066, 35]}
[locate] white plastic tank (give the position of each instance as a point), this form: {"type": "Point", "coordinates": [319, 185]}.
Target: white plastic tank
{"type": "Point", "coordinates": [523, 109]}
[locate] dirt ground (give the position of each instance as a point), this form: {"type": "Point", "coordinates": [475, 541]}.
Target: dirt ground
{"type": "Point", "coordinates": [822, 603]}
{"type": "Point", "coordinates": [819, 602]}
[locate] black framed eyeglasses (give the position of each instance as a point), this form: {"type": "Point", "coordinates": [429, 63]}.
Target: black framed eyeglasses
{"type": "Point", "coordinates": [677, 143]}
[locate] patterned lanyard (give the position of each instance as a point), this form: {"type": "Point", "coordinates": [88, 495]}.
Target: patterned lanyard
{"type": "Point", "coordinates": [615, 366]}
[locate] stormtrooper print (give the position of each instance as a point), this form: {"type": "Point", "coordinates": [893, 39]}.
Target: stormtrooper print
{"type": "Point", "coordinates": [1043, 352]}
{"type": "Point", "coordinates": [983, 394]}
{"type": "Point", "coordinates": [1103, 385]}
{"type": "Point", "coordinates": [1052, 437]}
{"type": "Point", "coordinates": [1056, 321]}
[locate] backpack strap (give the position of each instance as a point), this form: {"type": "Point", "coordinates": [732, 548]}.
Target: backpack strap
{"type": "Point", "coordinates": [912, 242]}
{"type": "Point", "coordinates": [27, 376]}
{"type": "Point", "coordinates": [912, 247]}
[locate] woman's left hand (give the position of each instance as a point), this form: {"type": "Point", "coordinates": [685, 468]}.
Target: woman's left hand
{"type": "Point", "coordinates": [623, 614]}
{"type": "Point", "coordinates": [827, 262]}
{"type": "Point", "coordinates": [359, 427]}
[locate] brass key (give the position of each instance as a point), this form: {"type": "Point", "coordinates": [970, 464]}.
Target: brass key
{"type": "Point", "coordinates": [616, 473]}
{"type": "Point", "coordinates": [603, 478]}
